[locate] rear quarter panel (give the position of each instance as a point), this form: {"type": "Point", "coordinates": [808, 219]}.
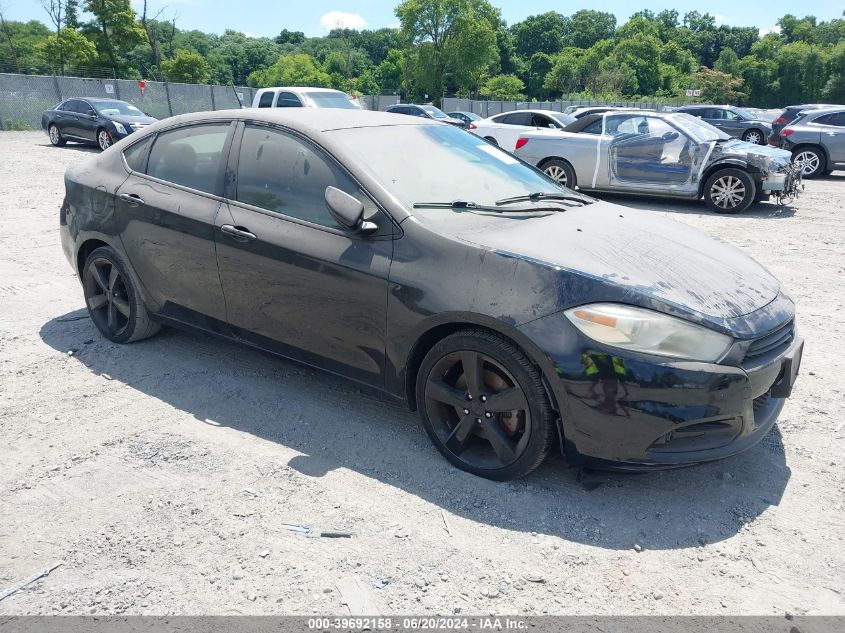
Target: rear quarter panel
{"type": "Point", "coordinates": [577, 149]}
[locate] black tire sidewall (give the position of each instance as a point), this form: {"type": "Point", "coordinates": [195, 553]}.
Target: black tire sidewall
{"type": "Point", "coordinates": [60, 141]}
{"type": "Point", "coordinates": [107, 252]}
{"type": "Point", "coordinates": [514, 361]}
{"type": "Point", "coordinates": [750, 190]}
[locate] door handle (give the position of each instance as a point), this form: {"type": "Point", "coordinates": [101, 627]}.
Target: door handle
{"type": "Point", "coordinates": [238, 233]}
{"type": "Point", "coordinates": [132, 199]}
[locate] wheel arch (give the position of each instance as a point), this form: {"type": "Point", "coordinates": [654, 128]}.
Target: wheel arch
{"type": "Point", "coordinates": [548, 159]}
{"type": "Point", "coordinates": [728, 163]}
{"type": "Point", "coordinates": [437, 331]}
{"type": "Point", "coordinates": [85, 249]}
{"type": "Point", "coordinates": [816, 146]}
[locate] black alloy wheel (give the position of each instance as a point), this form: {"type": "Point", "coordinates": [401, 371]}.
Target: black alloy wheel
{"type": "Point", "coordinates": [112, 299]}
{"type": "Point", "coordinates": [484, 406]}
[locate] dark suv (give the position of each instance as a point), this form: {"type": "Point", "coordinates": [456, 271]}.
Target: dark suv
{"type": "Point", "coordinates": [788, 116]}
{"type": "Point", "coordinates": [732, 120]}
{"type": "Point", "coordinates": [425, 111]}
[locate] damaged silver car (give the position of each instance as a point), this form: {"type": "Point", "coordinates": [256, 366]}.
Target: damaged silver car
{"type": "Point", "coordinates": [662, 154]}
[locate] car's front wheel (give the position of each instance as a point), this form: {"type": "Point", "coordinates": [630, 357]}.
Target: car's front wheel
{"type": "Point", "coordinates": [103, 139]}
{"type": "Point", "coordinates": [111, 295]}
{"type": "Point", "coordinates": [483, 405]}
{"type": "Point", "coordinates": [561, 172]}
{"type": "Point", "coordinates": [810, 160]}
{"type": "Point", "coordinates": [55, 135]}
{"type": "Point", "coordinates": [754, 136]}
{"type": "Point", "coordinates": [729, 191]}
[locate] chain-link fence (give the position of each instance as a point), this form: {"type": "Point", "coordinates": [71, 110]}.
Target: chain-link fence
{"type": "Point", "coordinates": [489, 108]}
{"type": "Point", "coordinates": [23, 98]}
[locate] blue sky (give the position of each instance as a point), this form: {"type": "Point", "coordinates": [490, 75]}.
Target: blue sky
{"type": "Point", "coordinates": [315, 17]}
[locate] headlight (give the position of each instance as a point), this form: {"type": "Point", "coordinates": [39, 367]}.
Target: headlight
{"type": "Point", "coordinates": [119, 127]}
{"type": "Point", "coordinates": [647, 331]}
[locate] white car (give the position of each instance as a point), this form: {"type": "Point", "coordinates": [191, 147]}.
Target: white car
{"type": "Point", "coordinates": [503, 129]}
{"type": "Point", "coordinates": [303, 97]}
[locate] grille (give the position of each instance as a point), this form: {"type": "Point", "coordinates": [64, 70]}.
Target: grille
{"type": "Point", "coordinates": [776, 340]}
{"type": "Point", "coordinates": [760, 402]}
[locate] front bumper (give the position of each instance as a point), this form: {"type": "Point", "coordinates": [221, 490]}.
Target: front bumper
{"type": "Point", "coordinates": [629, 411]}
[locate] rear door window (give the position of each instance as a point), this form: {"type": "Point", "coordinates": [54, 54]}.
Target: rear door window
{"type": "Point", "coordinates": [288, 100]}
{"type": "Point", "coordinates": [190, 156]}
{"type": "Point", "coordinates": [518, 118]}
{"type": "Point", "coordinates": [136, 156]}
{"type": "Point", "coordinates": [266, 99]}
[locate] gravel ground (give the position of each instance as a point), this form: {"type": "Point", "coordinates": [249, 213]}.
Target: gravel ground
{"type": "Point", "coordinates": [163, 473]}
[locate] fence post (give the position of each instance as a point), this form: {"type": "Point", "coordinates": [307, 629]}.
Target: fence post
{"type": "Point", "coordinates": [167, 94]}
{"type": "Point", "coordinates": [211, 91]}
{"type": "Point", "coordinates": [58, 89]}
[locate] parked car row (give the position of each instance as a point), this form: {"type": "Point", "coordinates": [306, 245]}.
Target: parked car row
{"type": "Point", "coordinates": [516, 316]}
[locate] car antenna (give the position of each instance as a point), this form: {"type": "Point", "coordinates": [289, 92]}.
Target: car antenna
{"type": "Point", "coordinates": [237, 96]}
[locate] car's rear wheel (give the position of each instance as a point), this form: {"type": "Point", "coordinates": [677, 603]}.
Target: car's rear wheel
{"type": "Point", "coordinates": [729, 191]}
{"type": "Point", "coordinates": [483, 405]}
{"type": "Point", "coordinates": [810, 160]}
{"type": "Point", "coordinates": [56, 137]}
{"type": "Point", "coordinates": [103, 139]}
{"type": "Point", "coordinates": [754, 136]}
{"type": "Point", "coordinates": [561, 172]}
{"type": "Point", "coordinates": [113, 300]}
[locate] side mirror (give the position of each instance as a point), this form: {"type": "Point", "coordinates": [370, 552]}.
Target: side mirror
{"type": "Point", "coordinates": [348, 211]}
{"type": "Point", "coordinates": [92, 114]}
{"type": "Point", "coordinates": [670, 136]}
{"type": "Point", "coordinates": [552, 126]}
{"type": "Point", "coordinates": [736, 117]}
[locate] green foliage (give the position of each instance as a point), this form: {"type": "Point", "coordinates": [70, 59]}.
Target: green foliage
{"type": "Point", "coordinates": [506, 87]}
{"type": "Point", "coordinates": [186, 67]}
{"type": "Point", "coordinates": [718, 87]}
{"type": "Point", "coordinates": [291, 70]}
{"type": "Point", "coordinates": [589, 27]}
{"type": "Point", "coordinates": [69, 45]}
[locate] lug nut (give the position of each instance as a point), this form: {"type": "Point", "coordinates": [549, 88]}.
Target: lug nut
{"type": "Point", "coordinates": [488, 415]}
{"type": "Point", "coordinates": [483, 398]}
{"type": "Point", "coordinates": [466, 411]}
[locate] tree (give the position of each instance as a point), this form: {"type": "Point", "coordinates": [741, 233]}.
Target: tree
{"type": "Point", "coordinates": [186, 67]}
{"type": "Point", "coordinates": [718, 87]}
{"type": "Point", "coordinates": [565, 74]}
{"type": "Point", "coordinates": [291, 70]}
{"type": "Point", "coordinates": [588, 27]}
{"type": "Point", "coordinates": [114, 29]}
{"type": "Point", "coordinates": [69, 45]}
{"type": "Point", "coordinates": [728, 62]}
{"type": "Point", "coordinates": [290, 37]}
{"type": "Point", "coordinates": [504, 87]}
{"type": "Point", "coordinates": [834, 89]}
{"type": "Point", "coordinates": [538, 67]}
{"type": "Point", "coordinates": [441, 30]}
{"type": "Point", "coordinates": [542, 33]}
{"type": "Point", "coordinates": [388, 74]}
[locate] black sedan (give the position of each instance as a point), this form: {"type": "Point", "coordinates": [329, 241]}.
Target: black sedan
{"type": "Point", "coordinates": [91, 120]}
{"type": "Point", "coordinates": [517, 316]}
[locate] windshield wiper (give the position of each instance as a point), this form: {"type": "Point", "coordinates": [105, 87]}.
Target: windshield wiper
{"type": "Point", "coordinates": [539, 195]}
{"type": "Point", "coordinates": [472, 206]}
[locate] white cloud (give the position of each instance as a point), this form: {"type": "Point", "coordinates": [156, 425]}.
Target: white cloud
{"type": "Point", "coordinates": [719, 18]}
{"type": "Point", "coordinates": [341, 20]}
{"type": "Point", "coordinates": [772, 29]}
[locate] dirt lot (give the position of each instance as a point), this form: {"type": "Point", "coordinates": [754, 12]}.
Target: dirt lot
{"type": "Point", "coordinates": [162, 473]}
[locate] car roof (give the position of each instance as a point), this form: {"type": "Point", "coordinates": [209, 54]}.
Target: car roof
{"type": "Point", "coordinates": [305, 120]}
{"type": "Point", "coordinates": [94, 99]}
{"type": "Point", "coordinates": [300, 89]}
{"type": "Point", "coordinates": [532, 111]}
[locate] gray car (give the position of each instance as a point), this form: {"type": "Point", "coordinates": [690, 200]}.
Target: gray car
{"type": "Point", "coordinates": [661, 154]}
{"type": "Point", "coordinates": [817, 141]}
{"type": "Point", "coordinates": [734, 121]}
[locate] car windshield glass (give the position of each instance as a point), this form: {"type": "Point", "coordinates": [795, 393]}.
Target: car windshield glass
{"type": "Point", "coordinates": [700, 131]}
{"type": "Point", "coordinates": [745, 114]}
{"type": "Point", "coordinates": [437, 113]}
{"type": "Point", "coordinates": [332, 100]}
{"type": "Point", "coordinates": [115, 108]}
{"type": "Point", "coordinates": [467, 167]}
{"type": "Point", "coordinates": [563, 119]}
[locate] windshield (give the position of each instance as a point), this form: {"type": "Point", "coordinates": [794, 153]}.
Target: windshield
{"type": "Point", "coordinates": [745, 114]}
{"type": "Point", "coordinates": [115, 108]}
{"type": "Point", "coordinates": [467, 167]}
{"type": "Point", "coordinates": [332, 100]}
{"type": "Point", "coordinates": [437, 113]}
{"type": "Point", "coordinates": [700, 131]}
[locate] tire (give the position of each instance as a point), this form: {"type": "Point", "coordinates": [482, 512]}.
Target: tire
{"type": "Point", "coordinates": [811, 159]}
{"type": "Point", "coordinates": [561, 172]}
{"type": "Point", "coordinates": [754, 136]}
{"type": "Point", "coordinates": [460, 419]}
{"type": "Point", "coordinates": [112, 298]}
{"type": "Point", "coordinates": [103, 139]}
{"type": "Point", "coordinates": [55, 135]}
{"type": "Point", "coordinates": [491, 140]}
{"type": "Point", "coordinates": [729, 191]}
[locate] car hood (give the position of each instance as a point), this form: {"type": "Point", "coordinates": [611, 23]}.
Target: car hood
{"type": "Point", "coordinates": [763, 157]}
{"type": "Point", "coordinates": [129, 120]}
{"type": "Point", "coordinates": [656, 262]}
